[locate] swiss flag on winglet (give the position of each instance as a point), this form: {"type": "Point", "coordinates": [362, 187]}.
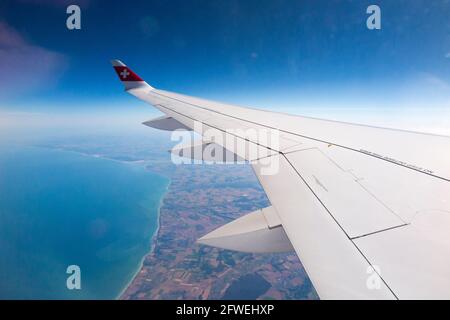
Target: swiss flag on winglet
{"type": "Point", "coordinates": [125, 74]}
{"type": "Point", "coordinates": [129, 79]}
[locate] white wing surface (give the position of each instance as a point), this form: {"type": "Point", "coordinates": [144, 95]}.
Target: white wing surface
{"type": "Point", "coordinates": [366, 209]}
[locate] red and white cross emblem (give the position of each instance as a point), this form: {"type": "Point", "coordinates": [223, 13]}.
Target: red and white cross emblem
{"type": "Point", "coordinates": [124, 74]}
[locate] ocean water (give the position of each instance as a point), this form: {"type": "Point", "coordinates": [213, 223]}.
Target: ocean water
{"type": "Point", "coordinates": [60, 208]}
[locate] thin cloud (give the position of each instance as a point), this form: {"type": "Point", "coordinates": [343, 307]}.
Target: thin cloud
{"type": "Point", "coordinates": [436, 82]}
{"type": "Point", "coordinates": [26, 67]}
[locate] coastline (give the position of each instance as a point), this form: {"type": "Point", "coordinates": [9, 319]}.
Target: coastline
{"type": "Point", "coordinates": [142, 199]}
{"type": "Point", "coordinates": [199, 199]}
{"type": "Point", "coordinates": [152, 244]}
{"type": "Point", "coordinates": [195, 200]}
{"type": "Point", "coordinates": [139, 163]}
{"type": "Point", "coordinates": [153, 238]}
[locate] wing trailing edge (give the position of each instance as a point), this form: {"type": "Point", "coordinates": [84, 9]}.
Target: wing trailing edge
{"type": "Point", "coordinates": [205, 150]}
{"type": "Point", "coordinates": [166, 123]}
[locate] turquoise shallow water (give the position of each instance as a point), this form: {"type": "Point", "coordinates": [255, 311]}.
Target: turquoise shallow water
{"type": "Point", "coordinates": [60, 208]}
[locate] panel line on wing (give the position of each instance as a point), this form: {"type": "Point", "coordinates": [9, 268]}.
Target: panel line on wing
{"type": "Point", "coordinates": [351, 230]}
{"type": "Point", "coordinates": [340, 226]}
{"type": "Point", "coordinates": [273, 151]}
{"type": "Point", "coordinates": [306, 137]}
{"type": "Point", "coordinates": [217, 128]}
{"type": "Point", "coordinates": [379, 231]}
{"type": "Point", "coordinates": [357, 180]}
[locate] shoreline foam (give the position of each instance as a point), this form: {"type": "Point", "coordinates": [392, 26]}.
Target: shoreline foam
{"type": "Point", "coordinates": [152, 245]}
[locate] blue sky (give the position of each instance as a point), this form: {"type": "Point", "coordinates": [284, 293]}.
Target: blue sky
{"type": "Point", "coordinates": [277, 54]}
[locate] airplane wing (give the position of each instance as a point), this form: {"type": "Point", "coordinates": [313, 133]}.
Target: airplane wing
{"type": "Point", "coordinates": [366, 209]}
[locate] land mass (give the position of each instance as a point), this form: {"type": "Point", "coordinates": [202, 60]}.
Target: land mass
{"type": "Point", "coordinates": [201, 198]}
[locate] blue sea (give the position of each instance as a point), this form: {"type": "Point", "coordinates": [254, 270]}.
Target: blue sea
{"type": "Point", "coordinates": [61, 208]}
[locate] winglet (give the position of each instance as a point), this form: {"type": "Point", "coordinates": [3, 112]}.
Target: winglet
{"type": "Point", "coordinates": [130, 79]}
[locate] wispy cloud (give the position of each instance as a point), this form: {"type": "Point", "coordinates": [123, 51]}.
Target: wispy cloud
{"type": "Point", "coordinates": [24, 66]}
{"type": "Point", "coordinates": [435, 81]}
{"type": "Point", "coordinates": [447, 55]}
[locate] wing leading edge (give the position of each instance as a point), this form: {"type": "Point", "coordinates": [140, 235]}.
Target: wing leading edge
{"type": "Point", "coordinates": [366, 209]}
